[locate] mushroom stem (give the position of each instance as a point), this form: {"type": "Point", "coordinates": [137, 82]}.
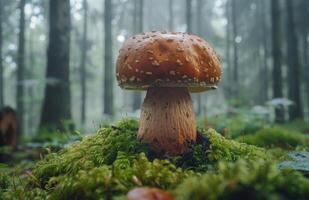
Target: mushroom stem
{"type": "Point", "coordinates": [167, 120]}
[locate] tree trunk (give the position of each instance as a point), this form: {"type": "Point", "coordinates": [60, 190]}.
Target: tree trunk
{"type": "Point", "coordinates": [83, 63]}
{"type": "Point", "coordinates": [304, 35]}
{"type": "Point", "coordinates": [21, 66]}
{"type": "Point", "coordinates": [228, 48]}
{"type": "Point", "coordinates": [263, 42]}
{"type": "Point", "coordinates": [1, 57]}
{"type": "Point", "coordinates": [235, 47]}
{"type": "Point", "coordinates": [277, 57]}
{"type": "Point", "coordinates": [189, 15]}
{"type": "Point", "coordinates": [199, 26]}
{"type": "Point", "coordinates": [138, 28]}
{"type": "Point", "coordinates": [30, 74]}
{"type": "Point", "coordinates": [295, 111]}
{"type": "Point", "coordinates": [57, 101]}
{"type": "Point", "coordinates": [108, 60]}
{"type": "Point", "coordinates": [265, 56]}
{"type": "Point", "coordinates": [171, 15]}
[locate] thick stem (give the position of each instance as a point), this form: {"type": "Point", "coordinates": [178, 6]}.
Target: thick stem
{"type": "Point", "coordinates": [167, 120]}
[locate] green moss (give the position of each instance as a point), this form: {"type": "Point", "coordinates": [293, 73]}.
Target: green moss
{"type": "Point", "coordinates": [104, 182]}
{"type": "Point", "coordinates": [258, 179]}
{"type": "Point", "coordinates": [92, 151]}
{"type": "Point", "coordinates": [230, 150]}
{"type": "Point", "coordinates": [101, 149]}
{"type": "Point", "coordinates": [110, 163]}
{"type": "Point", "coordinates": [220, 148]}
{"type": "Point", "coordinates": [276, 137]}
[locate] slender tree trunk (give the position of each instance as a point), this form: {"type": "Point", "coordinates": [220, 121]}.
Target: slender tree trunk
{"type": "Point", "coordinates": [138, 28]}
{"type": "Point", "coordinates": [277, 57]}
{"type": "Point", "coordinates": [1, 57]}
{"type": "Point", "coordinates": [57, 101]}
{"type": "Point", "coordinates": [304, 37]}
{"type": "Point", "coordinates": [21, 66]}
{"type": "Point", "coordinates": [171, 15]}
{"type": "Point", "coordinates": [199, 26]}
{"type": "Point", "coordinates": [83, 63]}
{"type": "Point", "coordinates": [235, 46]}
{"type": "Point", "coordinates": [295, 111]}
{"type": "Point", "coordinates": [228, 47]}
{"type": "Point", "coordinates": [31, 104]}
{"type": "Point", "coordinates": [263, 40]}
{"type": "Point", "coordinates": [189, 15]}
{"type": "Point", "coordinates": [108, 60]}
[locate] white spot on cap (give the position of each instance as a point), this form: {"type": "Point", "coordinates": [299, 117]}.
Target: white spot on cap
{"type": "Point", "coordinates": [148, 73]}
{"type": "Point", "coordinates": [179, 49]}
{"type": "Point", "coordinates": [129, 66]}
{"type": "Point", "coordinates": [172, 73]}
{"type": "Point", "coordinates": [179, 62]}
{"type": "Point", "coordinates": [155, 63]}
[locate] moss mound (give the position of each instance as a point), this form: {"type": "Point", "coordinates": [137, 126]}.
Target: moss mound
{"type": "Point", "coordinates": [110, 163]}
{"type": "Point", "coordinates": [103, 147]}
{"type": "Point", "coordinates": [276, 137]}
{"type": "Point", "coordinates": [258, 179]}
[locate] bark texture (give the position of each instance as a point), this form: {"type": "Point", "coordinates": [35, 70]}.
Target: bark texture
{"type": "Point", "coordinates": [293, 62]}
{"type": "Point", "coordinates": [83, 63]}
{"type": "Point", "coordinates": [1, 57]}
{"type": "Point", "coordinates": [108, 60]}
{"type": "Point", "coordinates": [277, 56]}
{"type": "Point", "coordinates": [57, 102]}
{"type": "Point", "coordinates": [21, 66]}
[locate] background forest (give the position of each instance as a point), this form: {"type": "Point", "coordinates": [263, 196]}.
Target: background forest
{"type": "Point", "coordinates": [58, 57]}
{"type": "Point", "coordinates": [73, 133]}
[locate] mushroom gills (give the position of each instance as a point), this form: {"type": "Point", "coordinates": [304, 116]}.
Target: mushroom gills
{"type": "Point", "coordinates": [167, 120]}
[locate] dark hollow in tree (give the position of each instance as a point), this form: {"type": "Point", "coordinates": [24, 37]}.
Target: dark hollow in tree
{"type": "Point", "coordinates": [57, 101]}
{"type": "Point", "coordinates": [8, 128]}
{"type": "Point", "coordinates": [164, 64]}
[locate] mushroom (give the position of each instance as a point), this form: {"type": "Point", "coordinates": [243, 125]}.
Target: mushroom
{"type": "Point", "coordinates": [149, 194]}
{"type": "Point", "coordinates": [169, 66]}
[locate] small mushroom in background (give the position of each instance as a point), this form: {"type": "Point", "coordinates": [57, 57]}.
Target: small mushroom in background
{"type": "Point", "coordinates": [149, 194]}
{"type": "Point", "coordinates": [169, 66]}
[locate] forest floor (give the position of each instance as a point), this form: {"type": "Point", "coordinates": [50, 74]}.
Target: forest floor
{"type": "Point", "coordinates": [244, 157]}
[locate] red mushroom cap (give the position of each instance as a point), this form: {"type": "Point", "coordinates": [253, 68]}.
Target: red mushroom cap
{"type": "Point", "coordinates": [167, 59]}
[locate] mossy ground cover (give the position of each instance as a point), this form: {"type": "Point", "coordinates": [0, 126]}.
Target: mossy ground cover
{"type": "Point", "coordinates": [277, 137]}
{"type": "Point", "coordinates": [108, 164]}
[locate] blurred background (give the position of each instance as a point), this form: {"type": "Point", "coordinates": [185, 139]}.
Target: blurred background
{"type": "Point", "coordinates": [58, 58]}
